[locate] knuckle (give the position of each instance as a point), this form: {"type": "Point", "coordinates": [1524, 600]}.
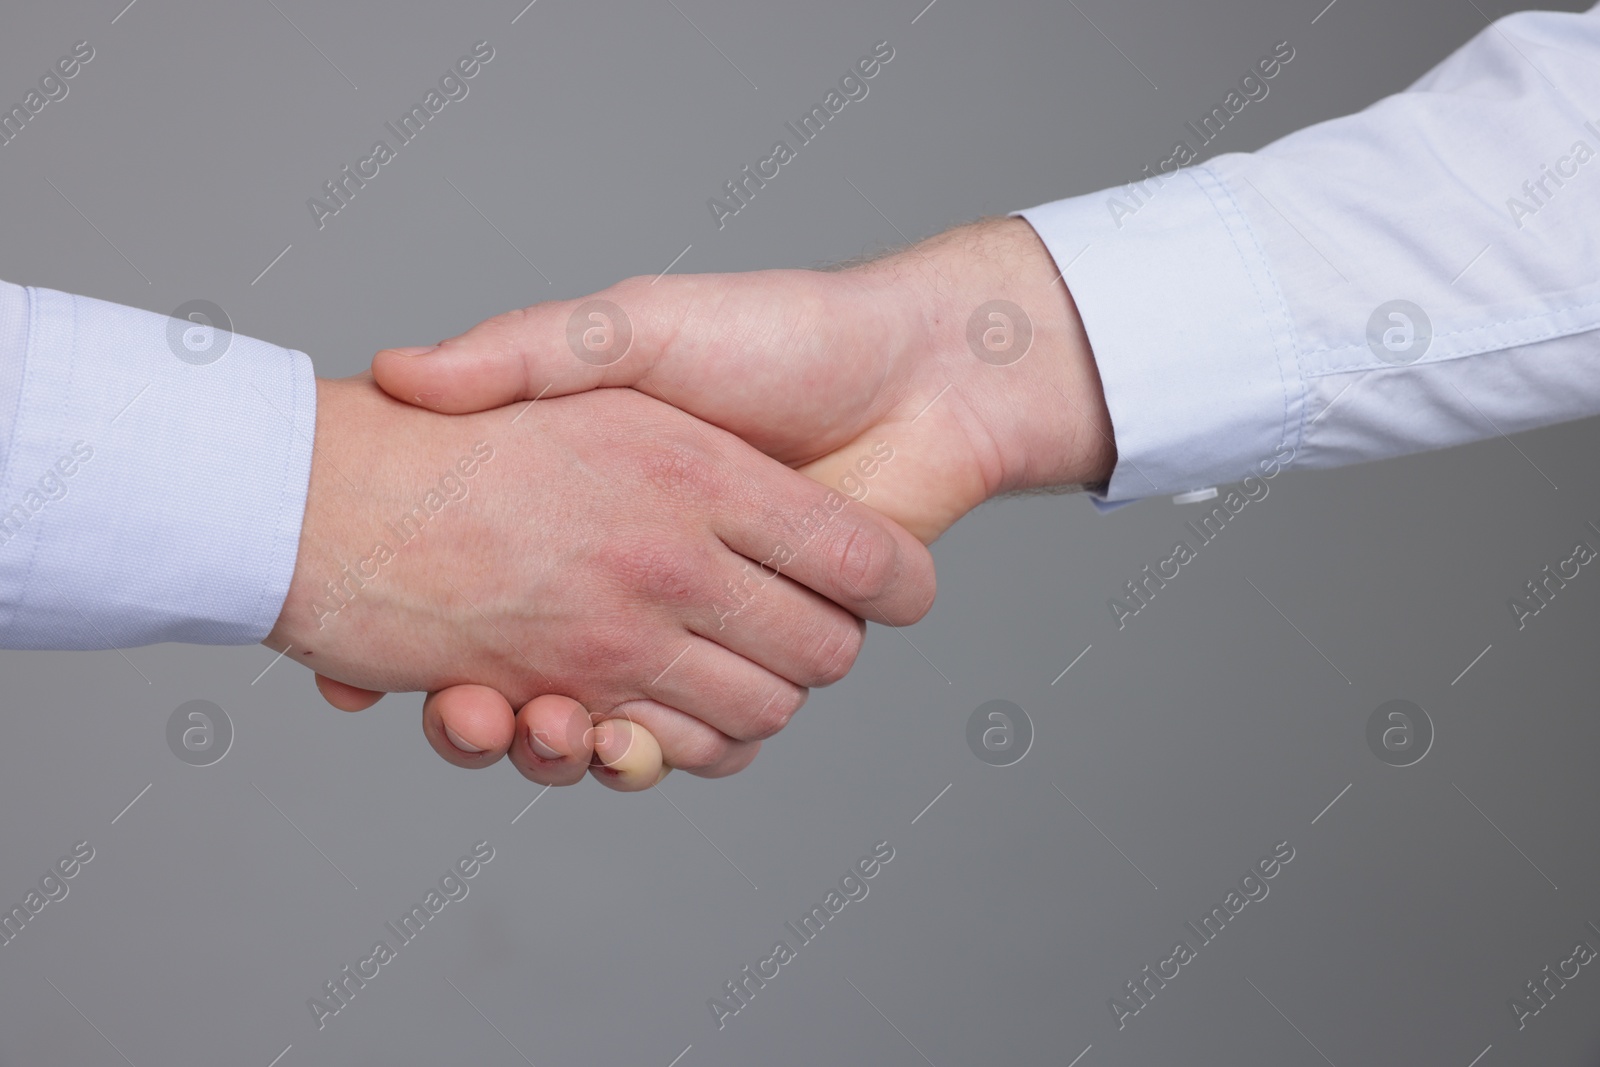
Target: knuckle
{"type": "Point", "coordinates": [836, 653]}
{"type": "Point", "coordinates": [739, 757]}
{"type": "Point", "coordinates": [678, 468]}
{"type": "Point", "coordinates": [916, 586]}
{"type": "Point", "coordinates": [514, 319]}
{"type": "Point", "coordinates": [777, 711]}
{"type": "Point", "coordinates": [864, 561]}
{"type": "Point", "coordinates": [601, 652]}
{"type": "Point", "coordinates": [656, 571]}
{"type": "Point", "coordinates": [634, 283]}
{"type": "Point", "coordinates": [505, 328]}
{"type": "Point", "coordinates": [698, 751]}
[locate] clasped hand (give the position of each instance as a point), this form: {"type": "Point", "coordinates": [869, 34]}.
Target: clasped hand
{"type": "Point", "coordinates": [668, 546]}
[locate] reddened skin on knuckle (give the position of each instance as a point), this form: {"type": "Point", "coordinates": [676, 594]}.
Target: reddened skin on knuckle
{"type": "Point", "coordinates": [678, 469]}
{"type": "Point", "coordinates": [658, 572]}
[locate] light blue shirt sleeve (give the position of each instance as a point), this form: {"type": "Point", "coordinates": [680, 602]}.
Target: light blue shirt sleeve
{"type": "Point", "coordinates": [1421, 274]}
{"type": "Point", "coordinates": [153, 476]}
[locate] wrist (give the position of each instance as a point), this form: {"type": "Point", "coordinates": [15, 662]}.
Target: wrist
{"type": "Point", "coordinates": [995, 320]}
{"type": "Point", "coordinates": [329, 510]}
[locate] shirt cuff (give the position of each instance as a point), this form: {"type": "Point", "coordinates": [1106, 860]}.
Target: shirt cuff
{"type": "Point", "coordinates": [1189, 332]}
{"type": "Point", "coordinates": [156, 479]}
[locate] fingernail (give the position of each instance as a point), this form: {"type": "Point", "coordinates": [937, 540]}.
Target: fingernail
{"type": "Point", "coordinates": [415, 350]}
{"type": "Point", "coordinates": [465, 746]}
{"type": "Point", "coordinates": [540, 749]}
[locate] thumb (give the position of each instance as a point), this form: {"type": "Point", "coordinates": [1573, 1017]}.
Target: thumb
{"type": "Point", "coordinates": [346, 697]}
{"type": "Point", "coordinates": [612, 338]}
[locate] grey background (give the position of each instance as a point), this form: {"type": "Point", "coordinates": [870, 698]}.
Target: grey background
{"type": "Point", "coordinates": [1194, 740]}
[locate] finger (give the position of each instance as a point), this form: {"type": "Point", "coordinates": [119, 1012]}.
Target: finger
{"type": "Point", "coordinates": [687, 743]}
{"type": "Point", "coordinates": [627, 757]}
{"type": "Point", "coordinates": [687, 339]}
{"type": "Point", "coordinates": [346, 697]}
{"type": "Point", "coordinates": [554, 741]}
{"type": "Point", "coordinates": [783, 626]}
{"type": "Point", "coordinates": [550, 349]}
{"type": "Point", "coordinates": [842, 550]}
{"type": "Point", "coordinates": [469, 725]}
{"type": "Point", "coordinates": [730, 694]}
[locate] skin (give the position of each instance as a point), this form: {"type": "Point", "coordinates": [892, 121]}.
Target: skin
{"type": "Point", "coordinates": [822, 371]}
{"type": "Point", "coordinates": [586, 558]}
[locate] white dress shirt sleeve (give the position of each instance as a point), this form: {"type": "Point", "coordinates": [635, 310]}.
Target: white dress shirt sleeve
{"type": "Point", "coordinates": [1421, 274]}
{"type": "Point", "coordinates": [153, 476]}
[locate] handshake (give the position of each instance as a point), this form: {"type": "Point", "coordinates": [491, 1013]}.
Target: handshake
{"type": "Point", "coordinates": [630, 532]}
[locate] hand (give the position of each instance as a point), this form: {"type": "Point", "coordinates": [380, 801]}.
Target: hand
{"type": "Point", "coordinates": [869, 379]}
{"type": "Point", "coordinates": [606, 548]}
{"type": "Point", "coordinates": [816, 368]}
